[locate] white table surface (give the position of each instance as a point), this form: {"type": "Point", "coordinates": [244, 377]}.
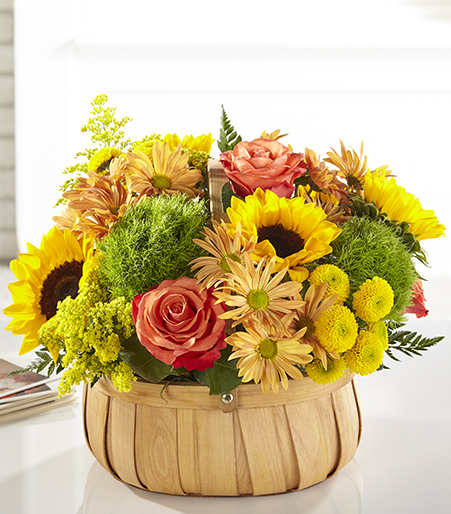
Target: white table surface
{"type": "Point", "coordinates": [402, 464]}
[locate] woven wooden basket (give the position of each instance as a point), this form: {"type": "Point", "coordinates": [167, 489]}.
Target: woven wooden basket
{"type": "Point", "coordinates": [185, 442]}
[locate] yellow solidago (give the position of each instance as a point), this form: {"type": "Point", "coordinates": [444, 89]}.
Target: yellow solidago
{"type": "Point", "coordinates": [101, 159]}
{"type": "Point", "coordinates": [374, 300]}
{"type": "Point", "coordinates": [366, 355]}
{"type": "Point", "coordinates": [337, 280]}
{"type": "Point", "coordinates": [336, 329]}
{"type": "Point", "coordinates": [335, 370]}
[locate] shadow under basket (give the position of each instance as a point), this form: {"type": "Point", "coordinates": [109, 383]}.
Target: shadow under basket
{"type": "Point", "coordinates": [183, 441]}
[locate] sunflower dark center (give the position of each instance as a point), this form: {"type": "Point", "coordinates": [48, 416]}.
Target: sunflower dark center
{"type": "Point", "coordinates": [60, 283]}
{"type": "Point", "coordinates": [285, 242]}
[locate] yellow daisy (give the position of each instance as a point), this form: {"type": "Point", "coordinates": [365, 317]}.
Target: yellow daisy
{"type": "Point", "coordinates": [169, 173]}
{"type": "Point", "coordinates": [268, 356]}
{"type": "Point", "coordinates": [254, 293]}
{"type": "Point", "coordinates": [337, 280]}
{"type": "Point", "coordinates": [401, 206]}
{"type": "Point", "coordinates": [291, 231]}
{"type": "Point", "coordinates": [45, 276]}
{"type": "Point", "coordinates": [219, 244]}
{"type": "Point", "coordinates": [373, 300]}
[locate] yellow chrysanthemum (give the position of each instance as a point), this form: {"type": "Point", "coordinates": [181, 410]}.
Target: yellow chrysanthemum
{"type": "Point", "coordinates": [201, 143]}
{"type": "Point", "coordinates": [401, 206]}
{"type": "Point", "coordinates": [337, 280]}
{"type": "Point", "coordinates": [45, 276]}
{"type": "Point", "coordinates": [101, 159]}
{"type": "Point", "coordinates": [336, 329]}
{"type": "Point", "coordinates": [374, 299]}
{"type": "Point", "coordinates": [267, 355]}
{"type": "Point", "coordinates": [379, 328]}
{"type": "Point", "coordinates": [335, 370]}
{"type": "Point", "coordinates": [292, 231]}
{"type": "Point", "coordinates": [366, 355]}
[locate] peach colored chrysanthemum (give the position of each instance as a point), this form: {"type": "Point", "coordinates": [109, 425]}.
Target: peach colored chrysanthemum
{"type": "Point", "coordinates": [221, 246]}
{"type": "Point", "coordinates": [334, 210]}
{"type": "Point", "coordinates": [254, 293]}
{"type": "Point", "coordinates": [268, 356]}
{"type": "Point", "coordinates": [321, 178]}
{"type": "Point", "coordinates": [308, 314]}
{"type": "Point", "coordinates": [169, 173]}
{"type": "Point", "coordinates": [352, 166]}
{"type": "Point", "coordinates": [101, 200]}
{"type": "Point", "coordinates": [69, 219]}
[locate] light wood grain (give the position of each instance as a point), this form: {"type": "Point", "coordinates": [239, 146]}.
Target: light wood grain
{"type": "Point", "coordinates": [217, 178]}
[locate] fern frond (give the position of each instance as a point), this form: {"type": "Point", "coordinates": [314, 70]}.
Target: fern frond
{"type": "Point", "coordinates": [228, 137]}
{"type": "Point", "coordinates": [44, 360]}
{"type": "Point", "coordinates": [409, 343]}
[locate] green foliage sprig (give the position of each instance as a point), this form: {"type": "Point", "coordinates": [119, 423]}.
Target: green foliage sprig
{"type": "Point", "coordinates": [228, 137]}
{"type": "Point", "coordinates": [44, 360]}
{"type": "Point", "coordinates": [409, 343]}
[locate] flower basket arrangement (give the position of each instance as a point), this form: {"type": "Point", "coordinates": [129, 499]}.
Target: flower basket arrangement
{"type": "Point", "coordinates": [218, 311]}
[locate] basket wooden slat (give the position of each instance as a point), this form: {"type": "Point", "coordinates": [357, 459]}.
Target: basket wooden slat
{"type": "Point", "coordinates": [203, 450]}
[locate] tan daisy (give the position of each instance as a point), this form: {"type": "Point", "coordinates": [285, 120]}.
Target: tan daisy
{"type": "Point", "coordinates": [256, 293]}
{"type": "Point", "coordinates": [69, 219]}
{"type": "Point", "coordinates": [169, 173]}
{"type": "Point", "coordinates": [308, 314]}
{"type": "Point", "coordinates": [222, 246]}
{"type": "Point", "coordinates": [267, 355]}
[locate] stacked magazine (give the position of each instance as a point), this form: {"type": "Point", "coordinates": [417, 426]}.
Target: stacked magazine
{"type": "Point", "coordinates": [27, 393]}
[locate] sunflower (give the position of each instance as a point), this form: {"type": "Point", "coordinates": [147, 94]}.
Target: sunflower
{"type": "Point", "coordinates": [45, 276]}
{"type": "Point", "coordinates": [219, 244]}
{"type": "Point", "coordinates": [306, 316]}
{"type": "Point", "coordinates": [169, 173]}
{"type": "Point", "coordinates": [201, 143]}
{"type": "Point", "coordinates": [256, 293]}
{"type": "Point", "coordinates": [100, 161]}
{"type": "Point", "coordinates": [268, 356]}
{"type": "Point", "coordinates": [291, 231]}
{"type": "Point", "coordinates": [401, 206]}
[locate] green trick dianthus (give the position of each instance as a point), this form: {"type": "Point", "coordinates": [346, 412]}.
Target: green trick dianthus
{"type": "Point", "coordinates": [153, 242]}
{"type": "Point", "coordinates": [367, 248]}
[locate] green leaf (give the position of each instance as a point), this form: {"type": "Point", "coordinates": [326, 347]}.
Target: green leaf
{"type": "Point", "coordinates": [409, 343]}
{"type": "Point", "coordinates": [222, 377]}
{"type": "Point", "coordinates": [228, 137]}
{"type": "Point", "coordinates": [226, 196]}
{"type": "Point", "coordinates": [142, 362]}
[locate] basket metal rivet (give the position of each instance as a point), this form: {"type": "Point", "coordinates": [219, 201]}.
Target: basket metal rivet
{"type": "Point", "coordinates": [227, 398]}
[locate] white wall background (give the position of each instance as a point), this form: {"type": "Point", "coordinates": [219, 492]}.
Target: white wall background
{"type": "Point", "coordinates": [371, 70]}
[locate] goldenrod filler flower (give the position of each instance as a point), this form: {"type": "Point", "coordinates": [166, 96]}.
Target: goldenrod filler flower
{"type": "Point", "coordinates": [374, 299]}
{"type": "Point", "coordinates": [308, 314]}
{"type": "Point", "coordinates": [337, 280]}
{"type": "Point", "coordinates": [254, 293]}
{"type": "Point", "coordinates": [322, 375]}
{"type": "Point", "coordinates": [45, 276]}
{"type": "Point", "coordinates": [401, 206]}
{"type": "Point", "coordinates": [336, 329]}
{"type": "Point", "coordinates": [167, 173]}
{"type": "Point", "coordinates": [267, 355]}
{"type": "Point", "coordinates": [101, 159]}
{"type": "Point", "coordinates": [290, 230]}
{"type": "Point", "coordinates": [366, 355]}
{"type": "Point", "coordinates": [222, 246]}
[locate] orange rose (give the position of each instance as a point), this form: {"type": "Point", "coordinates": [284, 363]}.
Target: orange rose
{"type": "Point", "coordinates": [179, 324]}
{"type": "Point", "coordinates": [262, 163]}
